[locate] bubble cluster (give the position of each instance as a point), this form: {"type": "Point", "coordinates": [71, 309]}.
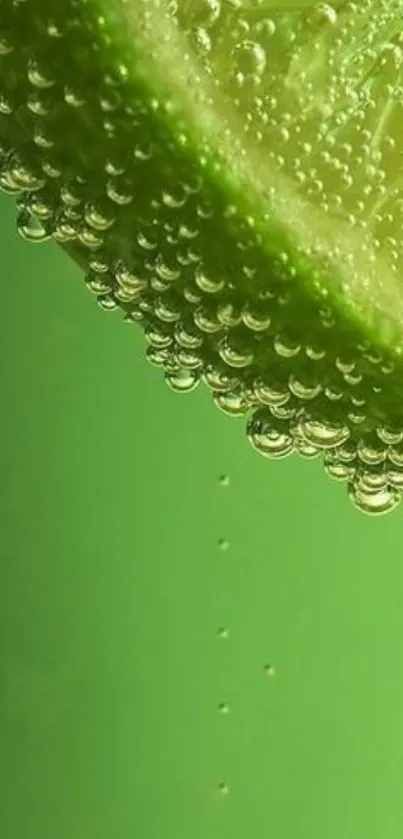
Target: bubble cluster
{"type": "Point", "coordinates": [93, 164]}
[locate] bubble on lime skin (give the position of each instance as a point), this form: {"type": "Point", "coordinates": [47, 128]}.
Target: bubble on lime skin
{"type": "Point", "coordinates": [223, 632]}
{"type": "Point", "coordinates": [223, 543]}
{"type": "Point", "coordinates": [224, 708]}
{"type": "Point", "coordinates": [336, 468]}
{"type": "Point", "coordinates": [269, 669]}
{"type": "Point", "coordinates": [224, 480]}
{"type": "Point", "coordinates": [223, 788]}
{"type": "Point", "coordinates": [323, 435]}
{"type": "Point", "coordinates": [395, 478]}
{"type": "Point", "coordinates": [31, 228]}
{"type": "Point", "coordinates": [182, 381]}
{"type": "Point", "coordinates": [374, 503]}
{"type": "Point", "coordinates": [269, 436]}
{"type": "Point", "coordinates": [233, 404]}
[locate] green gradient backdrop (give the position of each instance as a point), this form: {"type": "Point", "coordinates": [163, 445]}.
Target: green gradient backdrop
{"type": "Point", "coordinates": [113, 588]}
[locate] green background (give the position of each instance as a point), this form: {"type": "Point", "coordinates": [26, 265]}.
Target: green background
{"type": "Point", "coordinates": [113, 588]}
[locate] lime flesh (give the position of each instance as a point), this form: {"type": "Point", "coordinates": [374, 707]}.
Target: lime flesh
{"type": "Point", "coordinates": [229, 175]}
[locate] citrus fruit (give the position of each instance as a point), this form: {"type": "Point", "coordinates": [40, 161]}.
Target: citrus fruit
{"type": "Point", "coordinates": [228, 173]}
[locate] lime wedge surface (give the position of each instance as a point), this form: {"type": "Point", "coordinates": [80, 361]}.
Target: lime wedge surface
{"type": "Point", "coordinates": [229, 174]}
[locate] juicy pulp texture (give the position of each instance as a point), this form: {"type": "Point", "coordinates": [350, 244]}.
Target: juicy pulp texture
{"type": "Point", "coordinates": [228, 174]}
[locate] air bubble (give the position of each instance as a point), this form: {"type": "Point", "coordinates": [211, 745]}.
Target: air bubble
{"type": "Point", "coordinates": [120, 192]}
{"type": "Point", "coordinates": [232, 404]}
{"type": "Point", "coordinates": [374, 503]}
{"type": "Point", "coordinates": [206, 283]}
{"type": "Point", "coordinates": [30, 228]}
{"type": "Point", "coordinates": [270, 437]}
{"type": "Point", "coordinates": [235, 356]}
{"type": "Point", "coordinates": [99, 215]}
{"type": "Point", "coordinates": [303, 389]}
{"type": "Point", "coordinates": [324, 435]}
{"type": "Point", "coordinates": [39, 75]}
{"type": "Point", "coordinates": [337, 469]}
{"type": "Point", "coordinates": [286, 347]}
{"type": "Point", "coordinates": [390, 436]}
{"type": "Point", "coordinates": [395, 478]}
{"type": "Point", "coordinates": [250, 58]}
{"type": "Point", "coordinates": [203, 13]}
{"type": "Point", "coordinates": [271, 394]}
{"type": "Point", "coordinates": [182, 381]}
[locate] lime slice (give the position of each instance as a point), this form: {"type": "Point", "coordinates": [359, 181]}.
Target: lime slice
{"type": "Point", "coordinates": [229, 174]}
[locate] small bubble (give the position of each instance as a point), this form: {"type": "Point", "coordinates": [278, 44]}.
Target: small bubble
{"type": "Point", "coordinates": [269, 669]}
{"type": "Point", "coordinates": [223, 544]}
{"type": "Point", "coordinates": [31, 228]}
{"type": "Point", "coordinates": [223, 708]}
{"type": "Point", "coordinates": [182, 381]}
{"type": "Point", "coordinates": [223, 632]}
{"type": "Point", "coordinates": [224, 480]}
{"type": "Point", "coordinates": [383, 501]}
{"type": "Point", "coordinates": [223, 788]}
{"type": "Point", "coordinates": [231, 403]}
